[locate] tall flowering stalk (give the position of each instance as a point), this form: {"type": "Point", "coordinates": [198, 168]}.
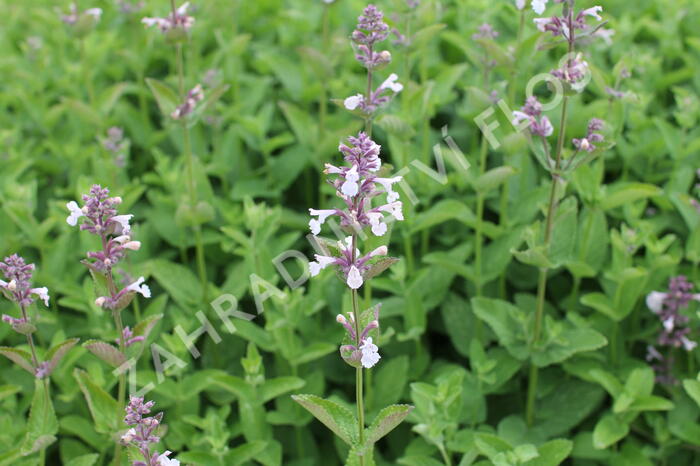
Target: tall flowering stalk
{"type": "Point", "coordinates": [572, 76]}
{"type": "Point", "coordinates": [175, 27]}
{"type": "Point", "coordinates": [357, 184]}
{"type": "Point", "coordinates": [143, 430]}
{"type": "Point", "coordinates": [17, 288]}
{"type": "Point", "coordinates": [114, 232]}
{"type": "Point", "coordinates": [370, 31]}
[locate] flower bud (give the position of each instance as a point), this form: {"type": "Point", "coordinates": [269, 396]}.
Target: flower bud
{"type": "Point", "coordinates": [133, 245]}
{"type": "Point", "coordinates": [99, 302]}
{"type": "Point", "coordinates": [340, 319]}
{"type": "Point", "coordinates": [12, 286]}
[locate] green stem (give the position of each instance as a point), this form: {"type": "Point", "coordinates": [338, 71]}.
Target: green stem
{"type": "Point", "coordinates": [358, 371]}
{"type": "Point", "coordinates": [445, 456]}
{"type": "Point", "coordinates": [121, 394]}
{"type": "Point", "coordinates": [531, 394]}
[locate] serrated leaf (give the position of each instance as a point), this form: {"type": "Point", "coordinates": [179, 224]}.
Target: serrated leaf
{"type": "Point", "coordinates": [380, 266]}
{"type": "Point", "coordinates": [42, 424]}
{"type": "Point", "coordinates": [338, 419]}
{"type": "Point", "coordinates": [102, 406]}
{"type": "Point", "coordinates": [166, 98]}
{"type": "Point", "coordinates": [19, 357]}
{"type": "Point", "coordinates": [105, 351]}
{"type": "Point", "coordinates": [386, 421]}
{"type": "Point", "coordinates": [56, 353]}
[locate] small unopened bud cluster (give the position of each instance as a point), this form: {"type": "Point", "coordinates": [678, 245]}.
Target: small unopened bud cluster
{"type": "Point", "coordinates": [531, 113]}
{"type": "Point", "coordinates": [370, 30]}
{"type": "Point", "coordinates": [142, 433]}
{"type": "Point", "coordinates": [587, 144]}
{"type": "Point", "coordinates": [194, 96]}
{"type": "Point", "coordinates": [364, 351]}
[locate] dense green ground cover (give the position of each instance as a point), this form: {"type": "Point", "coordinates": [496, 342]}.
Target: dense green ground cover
{"type": "Point", "coordinates": [495, 375]}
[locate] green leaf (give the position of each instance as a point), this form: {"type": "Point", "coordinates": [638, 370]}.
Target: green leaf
{"type": "Point", "coordinates": [332, 415]}
{"type": "Point", "coordinates": [493, 178]}
{"type": "Point", "coordinates": [8, 390]}
{"type": "Point", "coordinates": [609, 430]}
{"type": "Point", "coordinates": [387, 420]}
{"type": "Point", "coordinates": [354, 457]}
{"type": "Point", "coordinates": [42, 425]}
{"type": "Point", "coordinates": [56, 353]}
{"type": "Point", "coordinates": [300, 122]}
{"type": "Point", "coordinates": [568, 343]}
{"type": "Point", "coordinates": [179, 281]}
{"type": "Point", "coordinates": [507, 321]}
{"type": "Point", "coordinates": [692, 387]}
{"type": "Point", "coordinates": [552, 453]}
{"type": "Point", "coordinates": [278, 386]}
{"type": "Point", "coordinates": [244, 453]}
{"type": "Point", "coordinates": [19, 357]}
{"type": "Point", "coordinates": [491, 445]}
{"type": "Point", "coordinates": [165, 97]}
{"type": "Point", "coordinates": [625, 193]}
{"type": "Point", "coordinates": [103, 407]}
{"type": "Point", "coordinates": [105, 351]}
{"type": "Point", "coordinates": [234, 385]}
{"type": "Point", "coordinates": [600, 303]}
{"type": "Point", "coordinates": [84, 460]}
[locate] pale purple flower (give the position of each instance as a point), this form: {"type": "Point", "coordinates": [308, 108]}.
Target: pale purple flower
{"type": "Point", "coordinates": [74, 16]}
{"type": "Point", "coordinates": [364, 352]}
{"type": "Point", "coordinates": [573, 72]}
{"type": "Point", "coordinates": [370, 30]}
{"type": "Point", "coordinates": [176, 19]}
{"type": "Point", "coordinates": [194, 96]}
{"type": "Point", "coordinates": [378, 98]}
{"type": "Point", "coordinates": [567, 26]}
{"type": "Point", "coordinates": [520, 4]}
{"type": "Point", "coordinates": [486, 31]}
{"type": "Point", "coordinates": [128, 8]}
{"type": "Point", "coordinates": [667, 306]}
{"type": "Point", "coordinates": [370, 353]}
{"type": "Point", "coordinates": [538, 6]}
{"type": "Point", "coordinates": [18, 288]}
{"type": "Point", "coordinates": [587, 144]}
{"type": "Point", "coordinates": [129, 338]}
{"type": "Point", "coordinates": [143, 433]}
{"type": "Point", "coordinates": [531, 113]}
{"type": "Point", "coordinates": [350, 263]}
{"type": "Point", "coordinates": [358, 185]}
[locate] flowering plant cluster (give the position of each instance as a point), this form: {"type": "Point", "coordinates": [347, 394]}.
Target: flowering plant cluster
{"type": "Point", "coordinates": [142, 433]}
{"type": "Point", "coordinates": [177, 19]}
{"type": "Point", "coordinates": [675, 330]}
{"type": "Point", "coordinates": [371, 29]}
{"type": "Point", "coordinates": [114, 231]}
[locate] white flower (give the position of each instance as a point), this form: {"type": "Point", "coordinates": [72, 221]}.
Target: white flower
{"type": "Point", "coordinates": [350, 187]}
{"type": "Point", "coordinates": [12, 286]}
{"type": "Point", "coordinates": [539, 5]}
{"type": "Point", "coordinates": [129, 436]}
{"type": "Point", "coordinates": [394, 208]}
{"type": "Point", "coordinates": [354, 280]}
{"type": "Point", "coordinates": [315, 225]}
{"type": "Point", "coordinates": [42, 293]}
{"type": "Point", "coordinates": [605, 34]}
{"type": "Point", "coordinates": [655, 301]}
{"type": "Point", "coordinates": [391, 83]}
{"type": "Point", "coordinates": [138, 287]}
{"type": "Point", "coordinates": [163, 459]}
{"type": "Point", "coordinates": [541, 23]}
{"type": "Point", "coordinates": [321, 263]}
{"type": "Point", "coordinates": [370, 354]}
{"type": "Point", "coordinates": [386, 184]}
{"type": "Point", "coordinates": [376, 221]}
{"type": "Point", "coordinates": [75, 213]}
{"type": "Point", "coordinates": [352, 102]}
{"type": "Point", "coordinates": [94, 12]}
{"type": "Point", "coordinates": [689, 345]}
{"type": "Point", "coordinates": [520, 4]}
{"type": "Point", "coordinates": [160, 22]}
{"type": "Point", "coordinates": [99, 302]}
{"type": "Point", "coordinates": [593, 11]}
{"type": "Point", "coordinates": [123, 221]}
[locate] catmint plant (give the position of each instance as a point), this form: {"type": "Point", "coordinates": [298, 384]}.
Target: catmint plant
{"type": "Point", "coordinates": [17, 288]}
{"type": "Point", "coordinates": [182, 107]}
{"type": "Point", "coordinates": [571, 76]}
{"type": "Point", "coordinates": [675, 331]}
{"type": "Point", "coordinates": [357, 184]}
{"type": "Point", "coordinates": [115, 237]}
{"type": "Point", "coordinates": [143, 432]}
